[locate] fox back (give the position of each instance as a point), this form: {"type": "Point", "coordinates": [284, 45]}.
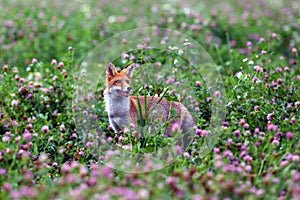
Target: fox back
{"type": "Point", "coordinates": [123, 109]}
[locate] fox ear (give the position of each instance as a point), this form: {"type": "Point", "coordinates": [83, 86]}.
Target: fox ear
{"type": "Point", "coordinates": [129, 70]}
{"type": "Point", "coordinates": [111, 70]}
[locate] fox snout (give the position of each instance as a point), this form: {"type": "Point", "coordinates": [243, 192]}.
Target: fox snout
{"type": "Point", "coordinates": [121, 91]}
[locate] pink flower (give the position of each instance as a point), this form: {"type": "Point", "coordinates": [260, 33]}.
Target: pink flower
{"type": "Point", "coordinates": [263, 52]}
{"type": "Point", "coordinates": [255, 79]}
{"type": "Point", "coordinates": [242, 122]}
{"type": "Point", "coordinates": [293, 120]}
{"type": "Point", "coordinates": [217, 93]}
{"type": "Point", "coordinates": [294, 51]}
{"type": "Point", "coordinates": [248, 158]}
{"type": "Point", "coordinates": [274, 36]}
{"type": "Point", "coordinates": [70, 48]}
{"type": "Point", "coordinates": [27, 135]}
{"type": "Point", "coordinates": [7, 186]}
{"type": "Point", "coordinates": [249, 44]}
{"type": "Point", "coordinates": [237, 133]}
{"type": "Point", "coordinates": [170, 81]}
{"type": "Point", "coordinates": [279, 69]}
{"type": "Point", "coordinates": [6, 138]}
{"type": "Point", "coordinates": [284, 163]}
{"type": "Point", "coordinates": [186, 154]}
{"type": "Point", "coordinates": [198, 84]}
{"type": "Point", "coordinates": [216, 150]}
{"type": "Point", "coordinates": [198, 132]}
{"type": "Point", "coordinates": [175, 127]}
{"type": "Point", "coordinates": [233, 43]}
{"type": "Point", "coordinates": [54, 62]}
{"type": "Point", "coordinates": [45, 129]}
{"type": "Point", "coordinates": [272, 127]}
{"type": "Point", "coordinates": [143, 194]}
{"type": "Point", "coordinates": [289, 135]}
{"type": "Point", "coordinates": [34, 60]}
{"type": "Point", "coordinates": [14, 102]}
{"type": "Point", "coordinates": [205, 133]}
{"type": "Point", "coordinates": [60, 64]}
{"type": "Point", "coordinates": [256, 107]}
{"type": "Point", "coordinates": [124, 55]}
{"type": "Point", "coordinates": [3, 171]}
{"type": "Point", "coordinates": [124, 41]}
{"type": "Point", "coordinates": [276, 142]}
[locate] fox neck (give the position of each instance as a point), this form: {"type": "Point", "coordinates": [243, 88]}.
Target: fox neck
{"type": "Point", "coordinates": [117, 105]}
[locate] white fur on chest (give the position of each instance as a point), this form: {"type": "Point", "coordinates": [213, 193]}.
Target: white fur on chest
{"type": "Point", "coordinates": [117, 108]}
{"type": "Point", "coordinates": [116, 104]}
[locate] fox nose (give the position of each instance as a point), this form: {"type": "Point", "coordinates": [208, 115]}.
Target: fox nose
{"type": "Point", "coordinates": [129, 88]}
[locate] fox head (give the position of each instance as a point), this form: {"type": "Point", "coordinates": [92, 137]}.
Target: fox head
{"type": "Point", "coordinates": [118, 83]}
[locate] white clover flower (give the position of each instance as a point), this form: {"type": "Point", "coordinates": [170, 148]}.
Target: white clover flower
{"type": "Point", "coordinates": [239, 75]}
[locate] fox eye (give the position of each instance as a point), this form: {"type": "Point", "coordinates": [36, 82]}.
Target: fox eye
{"type": "Point", "coordinates": [127, 81]}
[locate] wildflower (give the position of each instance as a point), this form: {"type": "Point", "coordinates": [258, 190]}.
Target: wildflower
{"type": "Point", "coordinates": [7, 186]}
{"type": "Point", "coordinates": [293, 120]}
{"type": "Point", "coordinates": [286, 68]}
{"type": "Point", "coordinates": [233, 43]}
{"type": "Point", "coordinates": [276, 142]}
{"type": "Point", "coordinates": [14, 102]}
{"type": "Point", "coordinates": [198, 132]}
{"type": "Point", "coordinates": [60, 65]}
{"type": "Point", "coordinates": [289, 135]}
{"type": "Point", "coordinates": [186, 154]}
{"type": "Point", "coordinates": [27, 135]}
{"type": "Point", "coordinates": [205, 133]}
{"type": "Point", "coordinates": [6, 138]}
{"type": "Point", "coordinates": [274, 36]}
{"type": "Point", "coordinates": [216, 150]}
{"type": "Point", "coordinates": [249, 44]}
{"type": "Point", "coordinates": [34, 60]}
{"type": "Point", "coordinates": [255, 79]}
{"type": "Point", "coordinates": [198, 84]}
{"type": "Point", "coordinates": [45, 129]}
{"type": "Point", "coordinates": [248, 158]}
{"type": "Point", "coordinates": [70, 48]}
{"type": "Point", "coordinates": [5, 68]}
{"type": "Point", "coordinates": [54, 62]}
{"type": "Point", "coordinates": [237, 133]}
{"type": "Point", "coordinates": [294, 51]}
{"type": "Point", "coordinates": [3, 171]}
{"type": "Point", "coordinates": [143, 194]}
{"type": "Point", "coordinates": [242, 122]}
{"type": "Point", "coordinates": [170, 81]}
{"type": "Point", "coordinates": [124, 55]}
{"type": "Point", "coordinates": [217, 93]}
{"type": "Point", "coordinates": [272, 127]}
{"type": "Point", "coordinates": [228, 154]}
{"type": "Point", "coordinates": [43, 158]}
{"type": "Point", "coordinates": [124, 41]}
{"type": "Point", "coordinates": [284, 163]}
{"type": "Point", "coordinates": [175, 127]}
{"type": "Point", "coordinates": [256, 107]}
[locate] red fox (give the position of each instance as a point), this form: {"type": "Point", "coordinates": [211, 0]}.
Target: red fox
{"type": "Point", "coordinates": [123, 109]}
